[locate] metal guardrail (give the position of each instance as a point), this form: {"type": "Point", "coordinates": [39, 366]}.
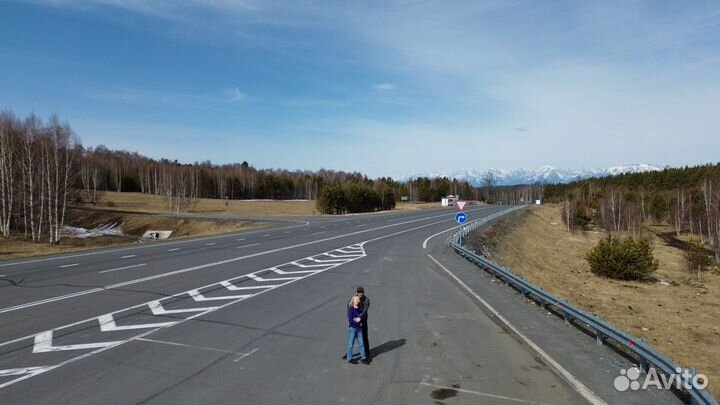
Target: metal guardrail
{"type": "Point", "coordinates": [645, 355]}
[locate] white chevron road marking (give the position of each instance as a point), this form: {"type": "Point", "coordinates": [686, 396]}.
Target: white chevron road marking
{"type": "Point", "coordinates": [21, 371]}
{"type": "Point", "coordinates": [43, 344]}
{"type": "Point", "coordinates": [232, 287]}
{"type": "Point", "coordinates": [261, 279]}
{"type": "Point", "coordinates": [353, 256]}
{"type": "Point", "coordinates": [304, 266]}
{"type": "Point", "coordinates": [278, 271]}
{"type": "Point", "coordinates": [330, 260]}
{"type": "Point", "coordinates": [197, 296]}
{"type": "Point", "coordinates": [157, 309]}
{"type": "Point", "coordinates": [107, 324]}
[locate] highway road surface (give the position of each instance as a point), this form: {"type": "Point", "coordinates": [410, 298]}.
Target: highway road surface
{"type": "Point", "coordinates": [259, 317]}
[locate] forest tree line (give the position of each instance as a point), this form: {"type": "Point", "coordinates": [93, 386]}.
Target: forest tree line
{"type": "Point", "coordinates": [44, 167]}
{"type": "Point", "coordinates": [687, 198]}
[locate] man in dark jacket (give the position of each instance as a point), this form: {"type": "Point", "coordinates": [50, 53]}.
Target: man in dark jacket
{"type": "Point", "coordinates": [365, 303]}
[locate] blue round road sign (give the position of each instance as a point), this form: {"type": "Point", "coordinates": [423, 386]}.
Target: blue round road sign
{"type": "Point", "coordinates": [460, 217]}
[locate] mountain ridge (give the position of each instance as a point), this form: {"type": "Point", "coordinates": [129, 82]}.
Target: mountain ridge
{"type": "Point", "coordinates": [543, 174]}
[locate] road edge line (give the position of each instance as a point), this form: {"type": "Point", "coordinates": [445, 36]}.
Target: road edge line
{"type": "Point", "coordinates": [578, 386]}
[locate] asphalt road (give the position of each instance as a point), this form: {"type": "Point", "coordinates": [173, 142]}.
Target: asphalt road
{"type": "Point", "coordinates": [259, 317]}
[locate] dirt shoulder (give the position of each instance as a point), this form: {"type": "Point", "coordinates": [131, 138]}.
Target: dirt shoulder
{"type": "Point", "coordinates": [133, 226]}
{"type": "Point", "coordinates": [681, 319]}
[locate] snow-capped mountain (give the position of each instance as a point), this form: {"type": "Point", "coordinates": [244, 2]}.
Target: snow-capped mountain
{"type": "Point", "coordinates": [544, 174]}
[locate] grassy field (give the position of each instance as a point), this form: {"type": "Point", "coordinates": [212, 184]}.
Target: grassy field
{"type": "Point", "coordinates": [681, 319]}
{"type": "Point", "coordinates": [154, 204]}
{"type": "Point", "coordinates": [133, 226]}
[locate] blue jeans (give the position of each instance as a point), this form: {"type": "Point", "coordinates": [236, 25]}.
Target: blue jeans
{"type": "Point", "coordinates": [352, 335]}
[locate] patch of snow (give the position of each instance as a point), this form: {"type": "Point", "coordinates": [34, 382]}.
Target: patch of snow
{"type": "Point", "coordinates": [113, 229]}
{"type": "Point", "coordinates": [544, 174]}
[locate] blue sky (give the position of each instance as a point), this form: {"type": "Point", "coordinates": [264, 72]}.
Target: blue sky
{"type": "Point", "coordinates": [381, 87]}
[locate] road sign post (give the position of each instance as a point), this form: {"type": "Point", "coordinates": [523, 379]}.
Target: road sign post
{"type": "Point", "coordinates": [460, 218]}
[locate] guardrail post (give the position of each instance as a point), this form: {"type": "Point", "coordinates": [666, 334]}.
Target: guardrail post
{"type": "Point", "coordinates": [643, 363]}
{"type": "Point", "coordinates": [599, 339]}
{"type": "Point", "coordinates": [567, 318]}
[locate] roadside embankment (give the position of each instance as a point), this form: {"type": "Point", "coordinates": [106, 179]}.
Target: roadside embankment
{"type": "Point", "coordinates": [132, 227]}
{"type": "Point", "coordinates": [675, 314]}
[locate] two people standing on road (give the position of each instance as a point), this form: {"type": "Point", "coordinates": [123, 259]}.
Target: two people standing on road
{"type": "Point", "coordinates": [357, 313]}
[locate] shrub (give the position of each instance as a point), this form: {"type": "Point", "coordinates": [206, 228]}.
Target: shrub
{"type": "Point", "coordinates": [582, 218]}
{"type": "Point", "coordinates": [628, 259]}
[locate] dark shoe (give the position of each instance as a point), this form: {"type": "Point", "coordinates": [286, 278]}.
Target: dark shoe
{"type": "Point", "coordinates": [352, 361]}
{"type": "Point", "coordinates": [365, 361]}
{"type": "Point", "coordinates": [344, 356]}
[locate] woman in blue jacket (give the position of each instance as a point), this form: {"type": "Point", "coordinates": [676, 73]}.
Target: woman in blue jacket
{"type": "Point", "coordinates": [355, 322]}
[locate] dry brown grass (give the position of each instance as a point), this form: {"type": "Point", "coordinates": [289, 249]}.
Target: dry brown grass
{"type": "Point", "coordinates": [155, 204]}
{"type": "Point", "coordinates": [681, 320]}
{"type": "Point", "coordinates": [401, 206]}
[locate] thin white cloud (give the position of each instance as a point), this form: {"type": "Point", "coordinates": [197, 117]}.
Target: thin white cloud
{"type": "Point", "coordinates": [384, 87]}
{"type": "Point", "coordinates": [234, 95]}
{"type": "Point", "coordinates": [134, 96]}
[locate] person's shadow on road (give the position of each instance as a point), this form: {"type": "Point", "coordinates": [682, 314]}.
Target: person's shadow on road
{"type": "Point", "coordinates": [386, 347]}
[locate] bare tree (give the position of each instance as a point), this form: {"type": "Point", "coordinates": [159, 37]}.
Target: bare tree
{"type": "Point", "coordinates": [489, 180]}
{"type": "Point", "coordinates": [679, 208]}
{"type": "Point", "coordinates": [8, 146]}
{"type": "Point", "coordinates": [569, 212]}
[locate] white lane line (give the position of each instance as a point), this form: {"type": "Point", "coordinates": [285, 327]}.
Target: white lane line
{"type": "Point", "coordinates": [436, 234]}
{"type": "Point", "coordinates": [69, 265]}
{"type": "Point", "coordinates": [483, 394]}
{"type": "Point", "coordinates": [359, 227]}
{"type": "Point", "coordinates": [173, 250]}
{"type": "Point", "coordinates": [240, 240]}
{"type": "Point", "coordinates": [127, 257]}
{"type": "Point", "coordinates": [20, 371]}
{"type": "Point", "coordinates": [317, 233]}
{"type": "Point", "coordinates": [210, 244]}
{"type": "Point", "coordinates": [191, 240]}
{"type": "Point", "coordinates": [163, 342]}
{"type": "Point", "coordinates": [246, 354]}
{"type": "Point", "coordinates": [265, 236]}
{"type": "Point", "coordinates": [2, 275]}
{"type": "Point", "coordinates": [204, 266]}
{"type": "Point", "coordinates": [287, 232]}
{"type": "Point", "coordinates": [560, 370]}
{"type": "Point", "coordinates": [123, 268]}
{"type": "Point", "coordinates": [245, 246]}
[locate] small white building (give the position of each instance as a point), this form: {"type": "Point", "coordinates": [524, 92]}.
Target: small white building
{"type": "Point", "coordinates": [449, 200]}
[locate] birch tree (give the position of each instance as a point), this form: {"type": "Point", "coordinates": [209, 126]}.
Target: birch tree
{"type": "Point", "coordinates": [8, 146]}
